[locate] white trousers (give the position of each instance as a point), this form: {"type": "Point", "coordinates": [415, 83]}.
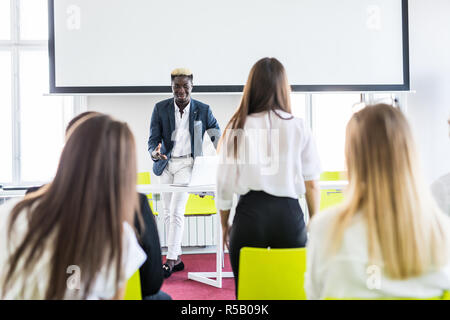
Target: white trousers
{"type": "Point", "coordinates": [174, 204]}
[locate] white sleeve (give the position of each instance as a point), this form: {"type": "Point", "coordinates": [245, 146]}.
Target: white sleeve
{"type": "Point", "coordinates": [312, 279]}
{"type": "Point", "coordinates": [226, 180]}
{"type": "Point", "coordinates": [440, 194]}
{"type": "Point", "coordinates": [132, 258]}
{"type": "Point", "coordinates": [311, 167]}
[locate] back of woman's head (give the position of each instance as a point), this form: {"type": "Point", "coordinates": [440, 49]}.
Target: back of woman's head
{"type": "Point", "coordinates": [81, 212]}
{"type": "Point", "coordinates": [267, 88]}
{"type": "Point", "coordinates": [405, 229]}
{"type": "Point", "coordinates": [379, 147]}
{"type": "Point", "coordinates": [78, 119]}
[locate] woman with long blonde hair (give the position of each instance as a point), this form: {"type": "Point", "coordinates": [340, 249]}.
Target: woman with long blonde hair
{"type": "Point", "coordinates": [72, 239]}
{"type": "Point", "coordinates": [388, 238]}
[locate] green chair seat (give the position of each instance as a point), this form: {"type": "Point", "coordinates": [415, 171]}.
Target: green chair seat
{"type": "Point", "coordinates": [133, 287]}
{"type": "Point", "coordinates": [264, 274]}
{"type": "Point", "coordinates": [195, 205]}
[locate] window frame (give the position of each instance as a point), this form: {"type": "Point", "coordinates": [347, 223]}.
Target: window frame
{"type": "Point", "coordinates": [15, 46]}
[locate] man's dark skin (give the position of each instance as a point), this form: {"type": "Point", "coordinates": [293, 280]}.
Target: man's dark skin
{"type": "Point", "coordinates": [181, 88]}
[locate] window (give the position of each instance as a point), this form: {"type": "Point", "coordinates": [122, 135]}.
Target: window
{"type": "Point", "coordinates": [5, 20]}
{"type": "Point", "coordinates": [33, 20]}
{"type": "Point", "coordinates": [298, 105]}
{"type": "Point", "coordinates": [42, 119]}
{"type": "Point", "coordinates": [331, 113]}
{"type": "Point", "coordinates": [5, 117]}
{"type": "Point", "coordinates": [31, 123]}
{"type": "Point", "coordinates": [388, 98]}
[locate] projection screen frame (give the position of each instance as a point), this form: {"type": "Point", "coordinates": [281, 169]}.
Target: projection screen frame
{"type": "Point", "coordinates": [226, 88]}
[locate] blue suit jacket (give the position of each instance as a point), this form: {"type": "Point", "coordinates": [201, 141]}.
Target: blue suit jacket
{"type": "Point", "coordinates": [162, 126]}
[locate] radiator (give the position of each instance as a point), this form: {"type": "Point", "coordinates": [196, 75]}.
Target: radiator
{"type": "Point", "coordinates": [199, 231]}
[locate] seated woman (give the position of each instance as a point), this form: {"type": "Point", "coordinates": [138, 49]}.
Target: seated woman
{"type": "Point", "coordinates": [388, 239]}
{"type": "Point", "coordinates": [73, 238]}
{"type": "Point", "coordinates": [151, 275]}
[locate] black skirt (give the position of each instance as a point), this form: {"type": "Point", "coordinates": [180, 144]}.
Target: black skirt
{"type": "Point", "coordinates": [263, 220]}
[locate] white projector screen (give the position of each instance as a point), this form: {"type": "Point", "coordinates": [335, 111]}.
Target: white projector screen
{"type": "Point", "coordinates": [121, 46]}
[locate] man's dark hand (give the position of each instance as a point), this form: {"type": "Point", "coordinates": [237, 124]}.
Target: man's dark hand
{"type": "Point", "coordinates": [157, 153]}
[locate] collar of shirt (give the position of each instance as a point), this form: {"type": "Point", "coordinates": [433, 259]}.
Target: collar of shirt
{"type": "Point", "coordinates": [177, 109]}
{"type": "Point", "coordinates": [182, 142]}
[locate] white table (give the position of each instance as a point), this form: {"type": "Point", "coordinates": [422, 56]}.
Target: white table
{"type": "Point", "coordinates": [219, 274]}
{"type": "Point", "coordinates": [5, 194]}
{"type": "Point", "coordinates": [203, 277]}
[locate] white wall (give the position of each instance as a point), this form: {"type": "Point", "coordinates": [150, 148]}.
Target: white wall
{"type": "Point", "coordinates": [429, 107]}
{"type": "Point", "coordinates": [137, 112]}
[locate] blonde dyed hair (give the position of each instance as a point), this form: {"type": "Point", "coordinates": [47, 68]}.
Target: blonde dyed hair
{"type": "Point", "coordinates": [181, 72]}
{"type": "Point", "coordinates": [407, 233]}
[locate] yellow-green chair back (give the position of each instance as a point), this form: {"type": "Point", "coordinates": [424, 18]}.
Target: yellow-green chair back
{"type": "Point", "coordinates": [133, 287]}
{"type": "Point", "coordinates": [331, 197]}
{"type": "Point", "coordinates": [200, 206]}
{"type": "Point", "coordinates": [271, 274]}
{"type": "Point", "coordinates": [194, 206]}
{"type": "Point", "coordinates": [144, 178]}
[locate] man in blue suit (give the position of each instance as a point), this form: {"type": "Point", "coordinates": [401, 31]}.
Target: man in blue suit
{"type": "Point", "coordinates": [177, 128]}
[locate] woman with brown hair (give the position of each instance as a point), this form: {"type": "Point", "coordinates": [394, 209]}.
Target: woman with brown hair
{"type": "Point", "coordinates": [268, 157]}
{"type": "Point", "coordinates": [72, 239]}
{"type": "Point", "coordinates": [388, 238]}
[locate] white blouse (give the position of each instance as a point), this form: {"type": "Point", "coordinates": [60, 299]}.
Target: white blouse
{"type": "Point", "coordinates": [275, 155]}
{"type": "Point", "coordinates": [347, 274]}
{"type": "Point", "coordinates": [34, 286]}
{"type": "Point", "coordinates": [441, 192]}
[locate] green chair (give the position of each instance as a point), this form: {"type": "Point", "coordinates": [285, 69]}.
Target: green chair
{"type": "Point", "coordinates": [331, 197]}
{"type": "Point", "coordinates": [197, 206]}
{"type": "Point", "coordinates": [264, 274]}
{"type": "Point", "coordinates": [144, 178]}
{"type": "Point", "coordinates": [133, 288]}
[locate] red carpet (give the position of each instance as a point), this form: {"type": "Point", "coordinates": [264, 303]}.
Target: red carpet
{"type": "Point", "coordinates": [180, 288]}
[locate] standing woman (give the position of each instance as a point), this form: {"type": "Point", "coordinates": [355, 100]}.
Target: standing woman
{"type": "Point", "coordinates": [72, 239]}
{"type": "Point", "coordinates": [268, 157]}
{"type": "Point", "coordinates": [388, 238]}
